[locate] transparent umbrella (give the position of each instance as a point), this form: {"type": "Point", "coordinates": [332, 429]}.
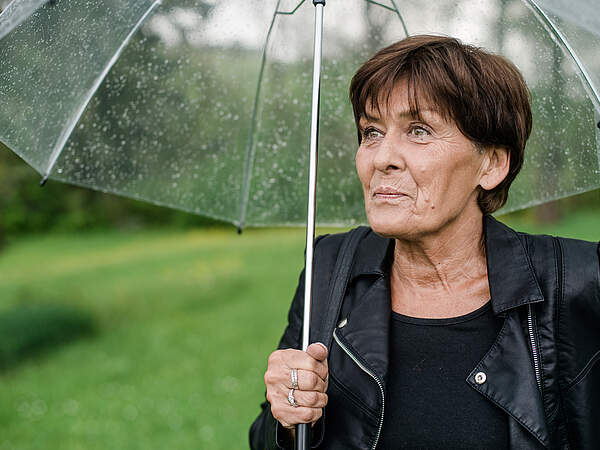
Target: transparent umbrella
{"type": "Point", "coordinates": [204, 105]}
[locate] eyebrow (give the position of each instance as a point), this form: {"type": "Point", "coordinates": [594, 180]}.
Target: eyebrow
{"type": "Point", "coordinates": [405, 113]}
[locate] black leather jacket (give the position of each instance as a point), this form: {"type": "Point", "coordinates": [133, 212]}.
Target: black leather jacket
{"type": "Point", "coordinates": [541, 370]}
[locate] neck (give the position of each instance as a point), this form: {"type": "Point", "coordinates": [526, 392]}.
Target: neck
{"type": "Point", "coordinates": [442, 273]}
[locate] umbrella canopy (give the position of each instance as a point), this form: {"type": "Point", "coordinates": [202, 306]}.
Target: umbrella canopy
{"type": "Point", "coordinates": [205, 106]}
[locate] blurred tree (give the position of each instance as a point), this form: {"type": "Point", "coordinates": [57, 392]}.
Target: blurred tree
{"type": "Point", "coordinates": [25, 207]}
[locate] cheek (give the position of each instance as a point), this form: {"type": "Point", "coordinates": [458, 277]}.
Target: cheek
{"type": "Point", "coordinates": [364, 166]}
{"type": "Point", "coordinates": [447, 184]}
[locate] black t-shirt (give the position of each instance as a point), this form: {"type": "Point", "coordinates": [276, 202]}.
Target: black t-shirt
{"type": "Point", "coordinates": [429, 404]}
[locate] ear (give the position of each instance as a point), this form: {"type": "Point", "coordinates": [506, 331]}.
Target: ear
{"type": "Point", "coordinates": [495, 167]}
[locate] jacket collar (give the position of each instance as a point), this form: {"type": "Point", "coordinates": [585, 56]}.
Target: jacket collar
{"type": "Point", "coordinates": [506, 260]}
{"type": "Point", "coordinates": [512, 283]}
{"type": "Point", "coordinates": [510, 273]}
{"type": "Point", "coordinates": [374, 256]}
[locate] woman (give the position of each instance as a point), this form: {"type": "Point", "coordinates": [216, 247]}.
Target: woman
{"type": "Point", "coordinates": [454, 330]}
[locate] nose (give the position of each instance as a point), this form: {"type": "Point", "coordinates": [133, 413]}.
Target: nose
{"type": "Point", "coordinates": [388, 155]}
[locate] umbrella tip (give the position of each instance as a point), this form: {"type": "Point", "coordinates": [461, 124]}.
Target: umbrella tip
{"type": "Point", "coordinates": [240, 230]}
{"type": "Point", "coordinates": [43, 182]}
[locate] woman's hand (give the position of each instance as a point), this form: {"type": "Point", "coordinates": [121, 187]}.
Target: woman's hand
{"type": "Point", "coordinates": [309, 395]}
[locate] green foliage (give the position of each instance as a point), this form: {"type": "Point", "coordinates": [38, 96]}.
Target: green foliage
{"type": "Point", "coordinates": [185, 323]}
{"type": "Point", "coordinates": [25, 207]}
{"type": "Point", "coordinates": [28, 330]}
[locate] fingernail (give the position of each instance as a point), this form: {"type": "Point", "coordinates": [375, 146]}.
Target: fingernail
{"type": "Point", "coordinates": [322, 345]}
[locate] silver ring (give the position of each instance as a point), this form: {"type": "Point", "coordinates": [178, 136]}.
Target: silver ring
{"type": "Point", "coordinates": [294, 378]}
{"type": "Point", "coordinates": [291, 399]}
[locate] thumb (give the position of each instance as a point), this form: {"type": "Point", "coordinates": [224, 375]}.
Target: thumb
{"type": "Point", "coordinates": [317, 350]}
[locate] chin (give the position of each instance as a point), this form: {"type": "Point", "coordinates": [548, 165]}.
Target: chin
{"type": "Point", "coordinates": [393, 224]}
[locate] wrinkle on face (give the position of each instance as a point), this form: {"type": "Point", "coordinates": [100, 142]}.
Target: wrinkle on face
{"type": "Point", "coordinates": [438, 169]}
{"type": "Point", "coordinates": [437, 224]}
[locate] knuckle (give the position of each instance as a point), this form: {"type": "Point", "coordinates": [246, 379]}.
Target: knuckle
{"type": "Point", "coordinates": [268, 377]}
{"type": "Point", "coordinates": [312, 398]}
{"type": "Point", "coordinates": [318, 414]}
{"type": "Point", "coordinates": [306, 415]}
{"type": "Point", "coordinates": [276, 412]}
{"type": "Point", "coordinates": [272, 357]}
{"type": "Point", "coordinates": [313, 380]}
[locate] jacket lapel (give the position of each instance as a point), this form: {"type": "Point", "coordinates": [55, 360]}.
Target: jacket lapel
{"type": "Point", "coordinates": [510, 274]}
{"type": "Point", "coordinates": [367, 312]}
{"type": "Point", "coordinates": [366, 330]}
{"type": "Point", "coordinates": [510, 379]}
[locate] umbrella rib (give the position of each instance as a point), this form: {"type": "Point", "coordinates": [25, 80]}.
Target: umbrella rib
{"type": "Point", "coordinates": [394, 9]}
{"type": "Point", "coordinates": [62, 140]}
{"type": "Point", "coordinates": [289, 13]}
{"type": "Point", "coordinates": [401, 18]}
{"type": "Point", "coordinates": [562, 41]}
{"type": "Point", "coordinates": [250, 147]}
{"type": "Point", "coordinates": [12, 16]}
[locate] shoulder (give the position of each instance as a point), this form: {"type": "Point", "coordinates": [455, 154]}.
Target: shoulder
{"type": "Point", "coordinates": [562, 268]}
{"type": "Point", "coordinates": [541, 249]}
{"type": "Point", "coordinates": [575, 247]}
{"type": "Point", "coordinates": [568, 271]}
{"type": "Point", "coordinates": [575, 263]}
{"type": "Point", "coordinates": [328, 246]}
{"type": "Point", "coordinates": [570, 256]}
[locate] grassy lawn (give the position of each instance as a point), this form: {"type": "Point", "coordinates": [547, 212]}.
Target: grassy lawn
{"type": "Point", "coordinates": [183, 324]}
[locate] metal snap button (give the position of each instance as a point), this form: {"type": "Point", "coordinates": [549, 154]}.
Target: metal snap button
{"type": "Point", "coordinates": [480, 377]}
{"type": "Point", "coordinates": [342, 323]}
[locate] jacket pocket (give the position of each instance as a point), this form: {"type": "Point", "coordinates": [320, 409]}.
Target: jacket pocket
{"type": "Point", "coordinates": [347, 393]}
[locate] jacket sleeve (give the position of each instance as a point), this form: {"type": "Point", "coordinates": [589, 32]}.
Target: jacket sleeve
{"type": "Point", "coordinates": [266, 433]}
{"type": "Point", "coordinates": [579, 340]}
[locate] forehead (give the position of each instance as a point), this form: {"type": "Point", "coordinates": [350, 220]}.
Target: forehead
{"type": "Point", "coordinates": [397, 106]}
{"type": "Point", "coordinates": [402, 102]}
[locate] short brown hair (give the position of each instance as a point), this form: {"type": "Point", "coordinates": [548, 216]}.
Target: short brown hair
{"type": "Point", "coordinates": [484, 94]}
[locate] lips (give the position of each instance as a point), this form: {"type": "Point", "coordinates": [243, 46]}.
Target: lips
{"type": "Point", "coordinates": [388, 193]}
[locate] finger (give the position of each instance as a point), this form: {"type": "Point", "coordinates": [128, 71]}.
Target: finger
{"type": "Point", "coordinates": [290, 416]}
{"type": "Point", "coordinates": [302, 361]}
{"type": "Point", "coordinates": [310, 399]}
{"type": "Point", "coordinates": [317, 351]}
{"type": "Point", "coordinates": [308, 381]}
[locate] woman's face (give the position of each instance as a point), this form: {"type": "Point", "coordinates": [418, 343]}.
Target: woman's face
{"type": "Point", "coordinates": [418, 176]}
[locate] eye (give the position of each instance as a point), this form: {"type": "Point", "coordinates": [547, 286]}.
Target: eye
{"type": "Point", "coordinates": [419, 132]}
{"type": "Point", "coordinates": [370, 133]}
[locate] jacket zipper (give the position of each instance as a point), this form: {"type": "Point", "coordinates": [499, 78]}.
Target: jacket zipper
{"type": "Point", "coordinates": [372, 375]}
{"type": "Point", "coordinates": [534, 347]}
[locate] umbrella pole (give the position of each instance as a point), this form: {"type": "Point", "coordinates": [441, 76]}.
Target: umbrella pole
{"type": "Point", "coordinates": [302, 436]}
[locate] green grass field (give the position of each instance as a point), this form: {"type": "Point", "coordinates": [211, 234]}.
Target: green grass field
{"type": "Point", "coordinates": [183, 323]}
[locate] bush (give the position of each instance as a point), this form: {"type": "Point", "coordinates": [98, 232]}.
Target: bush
{"type": "Point", "coordinates": [30, 330]}
{"type": "Point", "coordinates": [25, 207]}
